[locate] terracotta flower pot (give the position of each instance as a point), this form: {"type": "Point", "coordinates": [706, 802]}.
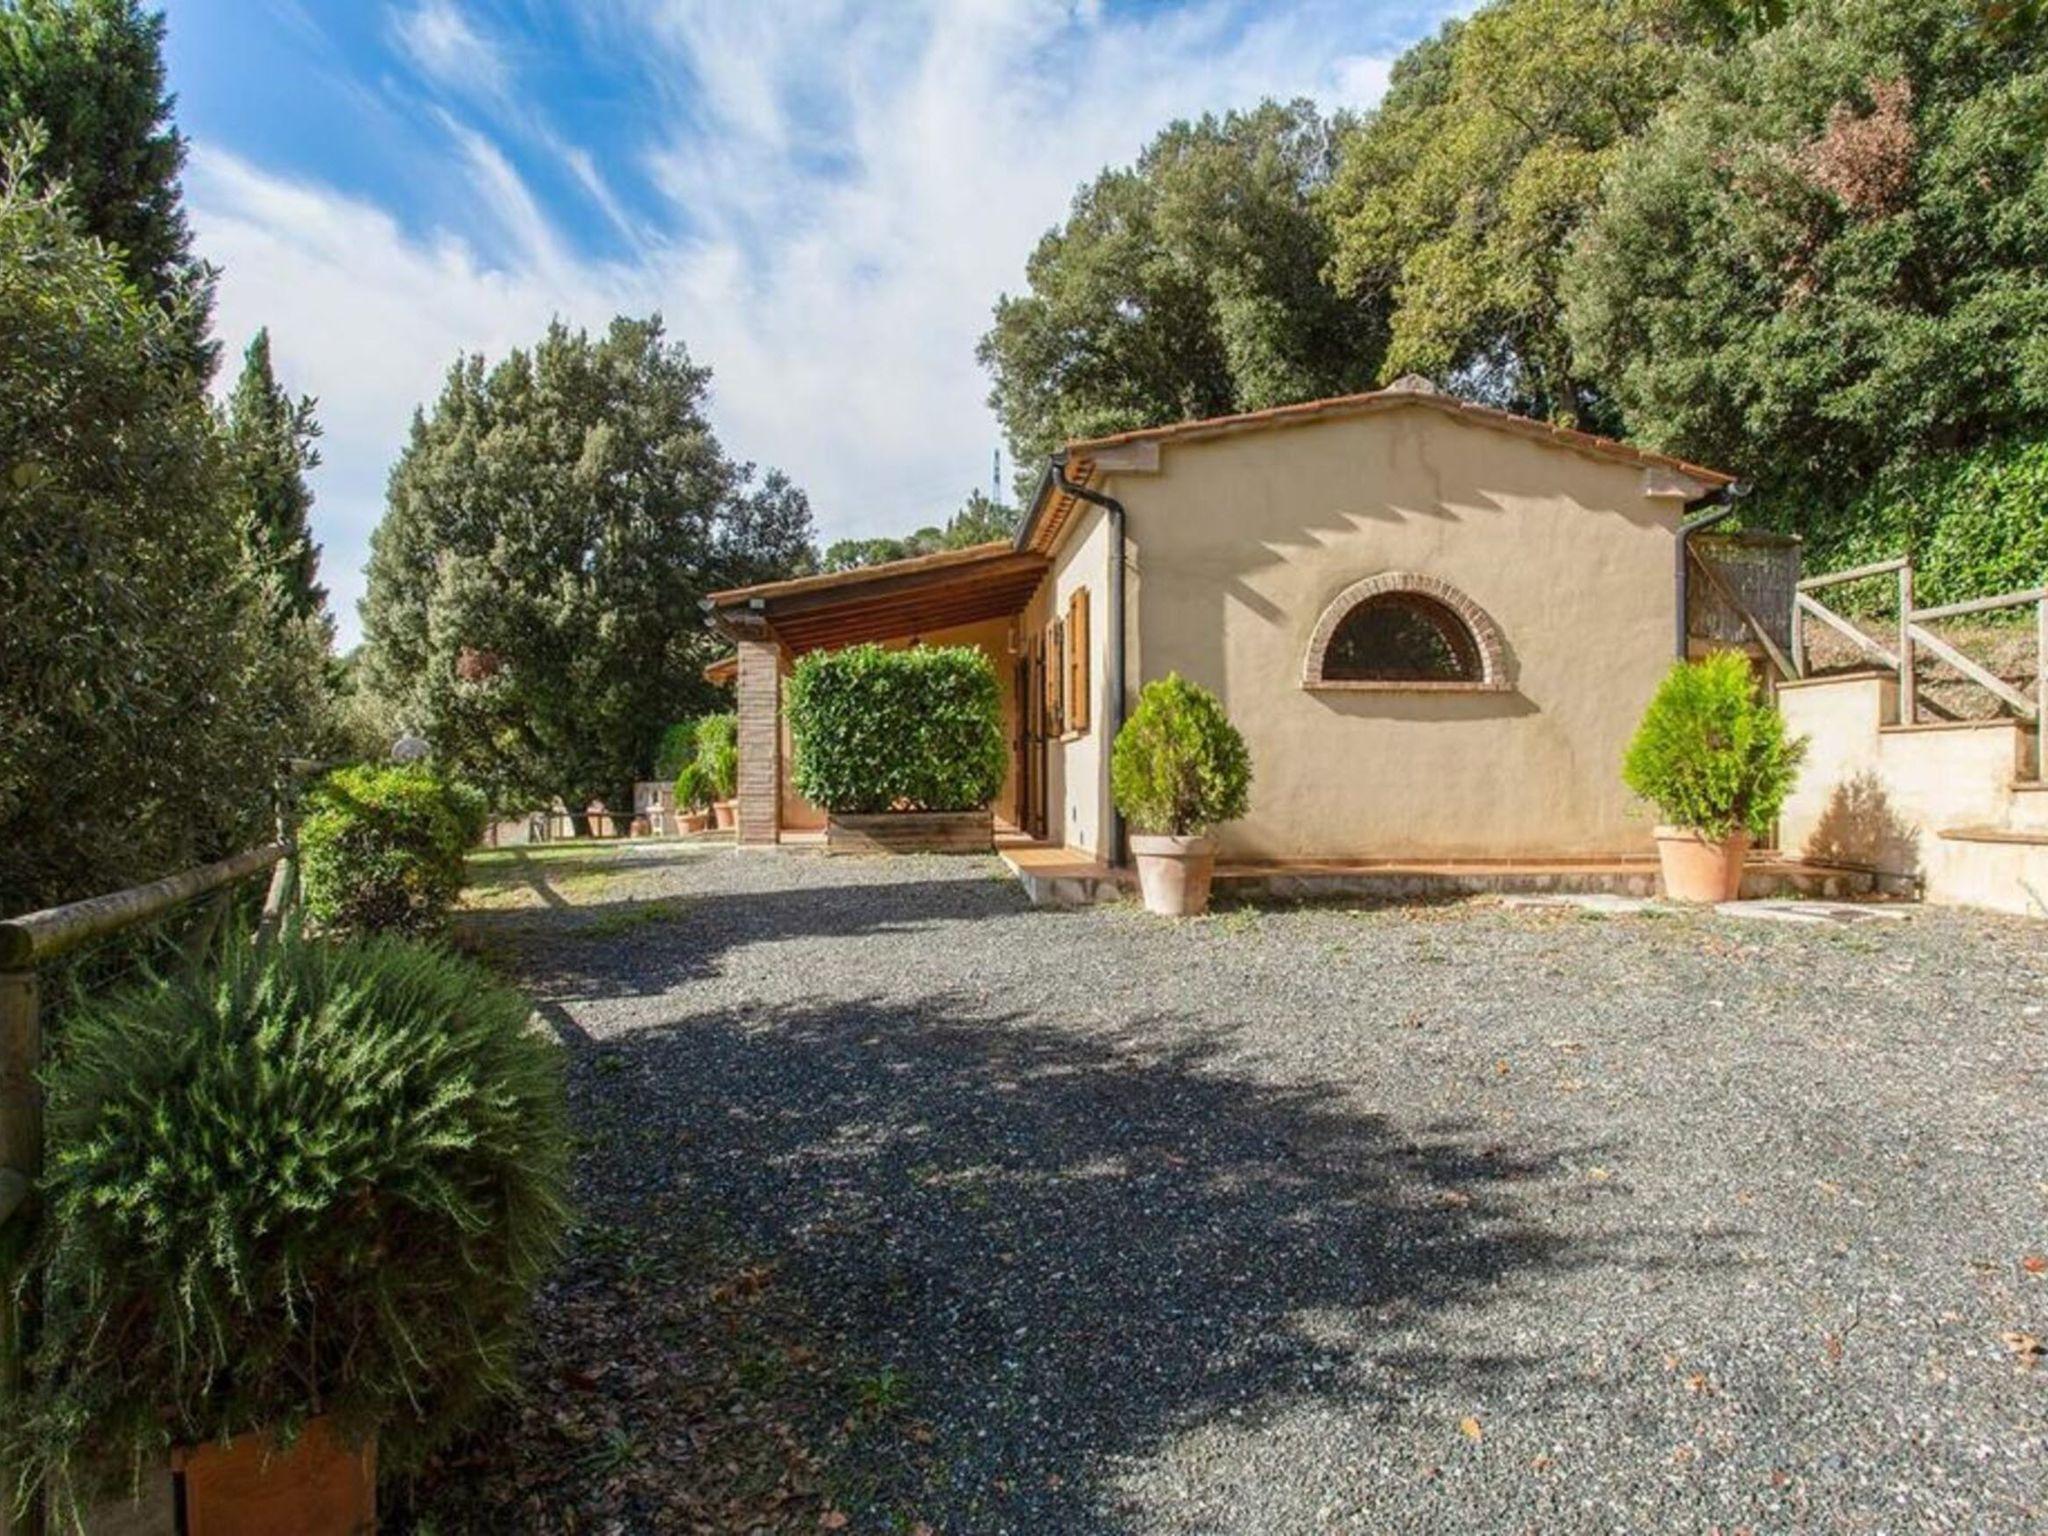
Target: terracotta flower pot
{"type": "Point", "coordinates": [725, 814]}
{"type": "Point", "coordinates": [1174, 872]}
{"type": "Point", "coordinates": [1698, 868]}
{"type": "Point", "coordinates": [321, 1486]}
{"type": "Point", "coordinates": [695, 821]}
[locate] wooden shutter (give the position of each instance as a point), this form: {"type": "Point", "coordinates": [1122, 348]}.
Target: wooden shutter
{"type": "Point", "coordinates": [1055, 678]}
{"type": "Point", "coordinates": [1077, 661]}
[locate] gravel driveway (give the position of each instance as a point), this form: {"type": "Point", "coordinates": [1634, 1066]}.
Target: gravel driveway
{"type": "Point", "coordinates": [1426, 1218]}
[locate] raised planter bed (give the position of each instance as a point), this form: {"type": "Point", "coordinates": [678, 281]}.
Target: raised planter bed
{"type": "Point", "coordinates": [912, 832]}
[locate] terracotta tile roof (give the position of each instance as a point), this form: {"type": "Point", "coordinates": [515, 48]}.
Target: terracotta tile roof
{"type": "Point", "coordinates": [1410, 390]}
{"type": "Point", "coordinates": [861, 575]}
{"type": "Point", "coordinates": [896, 599]}
{"type": "Point", "coordinates": [1038, 530]}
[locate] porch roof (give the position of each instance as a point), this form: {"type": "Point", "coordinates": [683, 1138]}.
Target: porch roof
{"type": "Point", "coordinates": [883, 602]}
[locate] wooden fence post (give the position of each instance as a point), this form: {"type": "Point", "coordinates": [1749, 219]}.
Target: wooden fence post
{"type": "Point", "coordinates": [21, 1163]}
{"type": "Point", "coordinates": [1909, 677]}
{"type": "Point", "coordinates": [21, 1057]}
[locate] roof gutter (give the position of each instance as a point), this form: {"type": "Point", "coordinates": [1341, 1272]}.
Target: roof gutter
{"type": "Point", "coordinates": [1720, 505]}
{"type": "Point", "coordinates": [1056, 474]}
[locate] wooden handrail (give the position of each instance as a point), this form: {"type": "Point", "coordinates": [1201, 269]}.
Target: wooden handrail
{"type": "Point", "coordinates": [1983, 677]}
{"type": "Point", "coordinates": [1854, 573]}
{"type": "Point", "coordinates": [38, 936]}
{"type": "Point", "coordinates": [1841, 626]}
{"type": "Point", "coordinates": [1914, 636]}
{"type": "Point", "coordinates": [1980, 605]}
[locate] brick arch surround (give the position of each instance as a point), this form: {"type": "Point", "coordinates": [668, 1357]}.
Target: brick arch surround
{"type": "Point", "coordinates": [1494, 668]}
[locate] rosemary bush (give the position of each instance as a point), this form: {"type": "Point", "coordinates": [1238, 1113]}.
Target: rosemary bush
{"type": "Point", "coordinates": [693, 787]}
{"type": "Point", "coordinates": [323, 1178]}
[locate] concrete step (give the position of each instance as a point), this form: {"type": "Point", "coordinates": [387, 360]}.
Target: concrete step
{"type": "Point", "coordinates": [1766, 877]}
{"type": "Point", "coordinates": [2029, 806]}
{"type": "Point", "coordinates": [1997, 867]}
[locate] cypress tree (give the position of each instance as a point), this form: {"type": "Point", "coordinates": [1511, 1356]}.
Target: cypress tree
{"type": "Point", "coordinates": [270, 441]}
{"type": "Point", "coordinates": [88, 75]}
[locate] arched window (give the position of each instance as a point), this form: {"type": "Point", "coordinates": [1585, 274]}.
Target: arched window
{"type": "Point", "coordinates": [1403, 631]}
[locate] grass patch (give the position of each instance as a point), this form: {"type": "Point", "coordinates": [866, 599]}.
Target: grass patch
{"type": "Point", "coordinates": [628, 918]}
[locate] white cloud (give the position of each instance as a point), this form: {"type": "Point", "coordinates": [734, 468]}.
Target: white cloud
{"type": "Point", "coordinates": [855, 184]}
{"type": "Point", "coordinates": [447, 47]}
{"type": "Point", "coordinates": [1361, 78]}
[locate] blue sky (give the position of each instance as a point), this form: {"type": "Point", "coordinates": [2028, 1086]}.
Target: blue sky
{"type": "Point", "coordinates": [823, 199]}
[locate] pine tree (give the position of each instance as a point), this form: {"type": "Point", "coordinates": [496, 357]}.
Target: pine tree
{"type": "Point", "coordinates": [89, 76]}
{"type": "Point", "coordinates": [270, 445]}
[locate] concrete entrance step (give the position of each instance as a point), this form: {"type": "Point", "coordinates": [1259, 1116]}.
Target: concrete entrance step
{"type": "Point", "coordinates": [1798, 911]}
{"type": "Point", "coordinates": [1765, 876]}
{"type": "Point", "coordinates": [2029, 806]}
{"type": "Point", "coordinates": [1063, 877]}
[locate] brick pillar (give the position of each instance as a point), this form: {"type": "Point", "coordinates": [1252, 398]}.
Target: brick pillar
{"type": "Point", "coordinates": [760, 711]}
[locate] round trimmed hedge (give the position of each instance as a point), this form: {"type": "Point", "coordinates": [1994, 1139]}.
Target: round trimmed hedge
{"type": "Point", "coordinates": [381, 848]}
{"type": "Point", "coordinates": [1711, 752]}
{"type": "Point", "coordinates": [1178, 766]}
{"type": "Point", "coordinates": [880, 730]}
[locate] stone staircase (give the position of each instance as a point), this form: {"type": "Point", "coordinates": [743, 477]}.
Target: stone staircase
{"type": "Point", "coordinates": [1955, 810]}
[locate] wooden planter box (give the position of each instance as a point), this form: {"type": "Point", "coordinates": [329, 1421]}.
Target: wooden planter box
{"type": "Point", "coordinates": [913, 832]}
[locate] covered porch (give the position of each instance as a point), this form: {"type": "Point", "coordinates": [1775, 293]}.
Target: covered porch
{"type": "Point", "coordinates": [971, 597]}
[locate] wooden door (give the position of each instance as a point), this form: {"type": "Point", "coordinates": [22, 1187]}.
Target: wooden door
{"type": "Point", "coordinates": [1031, 738]}
{"type": "Point", "coordinates": [1020, 742]}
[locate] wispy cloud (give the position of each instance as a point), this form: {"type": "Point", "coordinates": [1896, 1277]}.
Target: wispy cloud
{"type": "Point", "coordinates": [842, 191]}
{"type": "Point", "coordinates": [442, 43]}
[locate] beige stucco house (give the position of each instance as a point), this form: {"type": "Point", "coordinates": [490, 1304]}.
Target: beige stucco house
{"type": "Point", "coordinates": [1435, 623]}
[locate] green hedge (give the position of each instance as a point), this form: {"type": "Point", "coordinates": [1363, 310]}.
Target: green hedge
{"type": "Point", "coordinates": [325, 1178]}
{"type": "Point", "coordinates": [1976, 524]}
{"type": "Point", "coordinates": [381, 849]}
{"type": "Point", "coordinates": [678, 746]}
{"type": "Point", "coordinates": [880, 730]}
{"type": "Point", "coordinates": [718, 755]}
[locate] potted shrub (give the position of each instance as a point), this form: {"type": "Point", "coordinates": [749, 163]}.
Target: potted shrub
{"type": "Point", "coordinates": [1179, 767]}
{"type": "Point", "coordinates": [718, 759]}
{"type": "Point", "coordinates": [903, 749]}
{"type": "Point", "coordinates": [294, 1212]}
{"type": "Point", "coordinates": [1711, 755]}
{"type": "Point", "coordinates": [381, 848]}
{"type": "Point", "coordinates": [692, 798]}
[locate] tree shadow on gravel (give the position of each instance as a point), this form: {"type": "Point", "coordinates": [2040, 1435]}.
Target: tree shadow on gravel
{"type": "Point", "coordinates": [1063, 1249]}
{"type": "Point", "coordinates": [648, 946]}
